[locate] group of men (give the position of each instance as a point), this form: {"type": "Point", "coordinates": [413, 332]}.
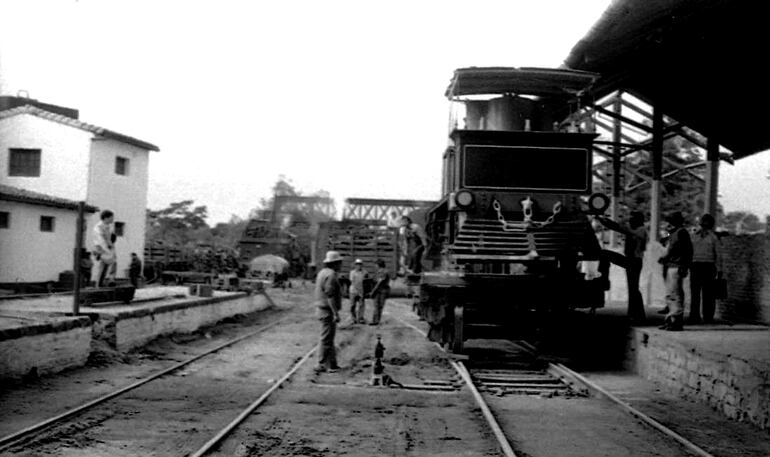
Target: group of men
{"type": "Point", "coordinates": [695, 254]}
{"type": "Point", "coordinates": [328, 292]}
{"type": "Point", "coordinates": [328, 299]}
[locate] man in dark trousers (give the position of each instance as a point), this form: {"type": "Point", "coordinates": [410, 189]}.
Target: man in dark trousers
{"type": "Point", "coordinates": [380, 291]}
{"type": "Point", "coordinates": [633, 249]}
{"type": "Point", "coordinates": [706, 267]}
{"type": "Point", "coordinates": [135, 270]}
{"type": "Point", "coordinates": [328, 300]}
{"type": "Point", "coordinates": [676, 261]}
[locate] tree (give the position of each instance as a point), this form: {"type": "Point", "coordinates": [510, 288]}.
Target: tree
{"type": "Point", "coordinates": [229, 233]}
{"type": "Point", "coordinates": [742, 222]}
{"type": "Point", "coordinates": [683, 191]}
{"type": "Point", "coordinates": [294, 211]}
{"type": "Point", "coordinates": [179, 224]}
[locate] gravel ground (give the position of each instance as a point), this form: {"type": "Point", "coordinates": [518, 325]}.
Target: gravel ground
{"type": "Point", "coordinates": [328, 414]}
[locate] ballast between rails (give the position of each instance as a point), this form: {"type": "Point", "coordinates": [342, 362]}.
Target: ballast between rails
{"type": "Point", "coordinates": [572, 378]}
{"type": "Point", "coordinates": [228, 429]}
{"type": "Point", "coordinates": [502, 441]}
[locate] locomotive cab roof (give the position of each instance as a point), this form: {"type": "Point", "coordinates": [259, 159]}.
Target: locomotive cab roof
{"type": "Point", "coordinates": [539, 82]}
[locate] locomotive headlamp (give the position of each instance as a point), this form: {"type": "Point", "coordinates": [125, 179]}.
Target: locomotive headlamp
{"type": "Point", "coordinates": [598, 203]}
{"type": "Point", "coordinates": [464, 199]}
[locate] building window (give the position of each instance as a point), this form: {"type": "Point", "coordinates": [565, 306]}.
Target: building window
{"type": "Point", "coordinates": [121, 166]}
{"type": "Point", "coordinates": [47, 223]}
{"type": "Point", "coordinates": [23, 162]}
{"type": "Point", "coordinates": [5, 219]}
{"type": "Point", "coordinates": [120, 228]}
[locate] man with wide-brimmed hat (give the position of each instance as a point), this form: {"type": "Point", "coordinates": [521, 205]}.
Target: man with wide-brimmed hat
{"type": "Point", "coordinates": [676, 262]}
{"type": "Point", "coordinates": [328, 298]}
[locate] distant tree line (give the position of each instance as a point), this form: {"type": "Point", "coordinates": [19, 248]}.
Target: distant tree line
{"type": "Point", "coordinates": [183, 224]}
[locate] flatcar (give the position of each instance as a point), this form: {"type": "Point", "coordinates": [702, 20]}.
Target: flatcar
{"type": "Point", "coordinates": [510, 242]}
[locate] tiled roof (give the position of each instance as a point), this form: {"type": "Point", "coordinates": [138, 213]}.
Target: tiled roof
{"type": "Point", "coordinates": [95, 129]}
{"type": "Point", "coordinates": [14, 194]}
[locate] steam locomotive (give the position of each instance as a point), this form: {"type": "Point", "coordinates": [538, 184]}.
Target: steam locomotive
{"type": "Point", "coordinates": [511, 242]}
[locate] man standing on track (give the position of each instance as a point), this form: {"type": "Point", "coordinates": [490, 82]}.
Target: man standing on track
{"type": "Point", "coordinates": [380, 291]}
{"type": "Point", "coordinates": [356, 292]}
{"type": "Point", "coordinates": [328, 298]}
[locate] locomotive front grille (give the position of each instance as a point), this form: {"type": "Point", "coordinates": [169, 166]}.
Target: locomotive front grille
{"type": "Point", "coordinates": [485, 238]}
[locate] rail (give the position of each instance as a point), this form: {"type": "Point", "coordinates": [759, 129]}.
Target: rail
{"type": "Point", "coordinates": [9, 440]}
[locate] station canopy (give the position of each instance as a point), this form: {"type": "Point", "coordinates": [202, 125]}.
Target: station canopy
{"type": "Point", "coordinates": [541, 82]}
{"type": "Point", "coordinates": [699, 61]}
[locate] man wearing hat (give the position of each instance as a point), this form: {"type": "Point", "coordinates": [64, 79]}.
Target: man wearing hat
{"type": "Point", "coordinates": [356, 292]}
{"type": "Point", "coordinates": [328, 299]}
{"type": "Point", "coordinates": [676, 262]}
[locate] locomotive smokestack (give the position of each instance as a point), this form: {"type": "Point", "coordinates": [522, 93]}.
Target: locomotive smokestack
{"type": "Point", "coordinates": [506, 113]}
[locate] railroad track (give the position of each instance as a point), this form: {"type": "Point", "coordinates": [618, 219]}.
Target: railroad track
{"type": "Point", "coordinates": [487, 378]}
{"type": "Point", "coordinates": [524, 374]}
{"type": "Point", "coordinates": [46, 430]}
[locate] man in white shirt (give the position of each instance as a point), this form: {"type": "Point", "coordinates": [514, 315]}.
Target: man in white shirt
{"type": "Point", "coordinates": [104, 248]}
{"type": "Point", "coordinates": [356, 292]}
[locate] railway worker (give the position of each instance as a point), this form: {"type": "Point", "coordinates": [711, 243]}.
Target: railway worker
{"type": "Point", "coordinates": [676, 261]}
{"type": "Point", "coordinates": [393, 220]}
{"type": "Point", "coordinates": [413, 239]}
{"type": "Point", "coordinates": [356, 292]}
{"type": "Point", "coordinates": [328, 299]}
{"type": "Point", "coordinates": [633, 249]}
{"type": "Point", "coordinates": [380, 291]}
{"type": "Point", "coordinates": [706, 267]}
{"type": "Point", "coordinates": [135, 270]}
{"type": "Point", "coordinates": [104, 247]}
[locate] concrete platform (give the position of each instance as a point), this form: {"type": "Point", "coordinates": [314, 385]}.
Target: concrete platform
{"type": "Point", "coordinates": [724, 367]}
{"type": "Point", "coordinates": [40, 345]}
{"type": "Point", "coordinates": [40, 333]}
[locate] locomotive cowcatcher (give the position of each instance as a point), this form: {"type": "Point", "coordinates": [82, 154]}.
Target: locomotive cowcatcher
{"type": "Point", "coordinates": [510, 242]}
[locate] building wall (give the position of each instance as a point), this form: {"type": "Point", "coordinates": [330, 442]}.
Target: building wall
{"type": "Point", "coordinates": [29, 255]}
{"type": "Point", "coordinates": [125, 195]}
{"type": "Point", "coordinates": [63, 158]}
{"type": "Point", "coordinates": [747, 269]}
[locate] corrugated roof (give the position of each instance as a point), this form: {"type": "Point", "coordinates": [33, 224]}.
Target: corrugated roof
{"type": "Point", "coordinates": [95, 129]}
{"type": "Point", "coordinates": [698, 60]}
{"type": "Point", "coordinates": [544, 82]}
{"type": "Point", "coordinates": [15, 194]}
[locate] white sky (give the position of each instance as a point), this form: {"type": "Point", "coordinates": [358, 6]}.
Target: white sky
{"type": "Point", "coordinates": [345, 96]}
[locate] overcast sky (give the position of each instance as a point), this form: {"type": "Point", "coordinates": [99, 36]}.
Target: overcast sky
{"type": "Point", "coordinates": [345, 96]}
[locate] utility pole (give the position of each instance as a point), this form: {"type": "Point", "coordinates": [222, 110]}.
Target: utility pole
{"type": "Point", "coordinates": [80, 228]}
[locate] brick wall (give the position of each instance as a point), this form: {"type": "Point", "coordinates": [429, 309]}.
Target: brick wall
{"type": "Point", "coordinates": [737, 386]}
{"type": "Point", "coordinates": [747, 269]}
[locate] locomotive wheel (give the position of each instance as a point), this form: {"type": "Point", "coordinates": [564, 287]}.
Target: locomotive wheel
{"type": "Point", "coordinates": [457, 341]}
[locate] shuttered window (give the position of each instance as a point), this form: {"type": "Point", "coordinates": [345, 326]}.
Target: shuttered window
{"type": "Point", "coordinates": [47, 223]}
{"type": "Point", "coordinates": [121, 166]}
{"type": "Point", "coordinates": [24, 162]}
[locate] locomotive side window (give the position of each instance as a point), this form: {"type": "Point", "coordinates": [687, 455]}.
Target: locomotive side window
{"type": "Point", "coordinates": [523, 167]}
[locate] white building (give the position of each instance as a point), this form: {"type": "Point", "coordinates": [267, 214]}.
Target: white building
{"type": "Point", "coordinates": [37, 235]}
{"type": "Point", "coordinates": [63, 157]}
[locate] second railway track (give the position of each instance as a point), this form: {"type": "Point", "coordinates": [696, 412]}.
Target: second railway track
{"type": "Point", "coordinates": [176, 410]}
